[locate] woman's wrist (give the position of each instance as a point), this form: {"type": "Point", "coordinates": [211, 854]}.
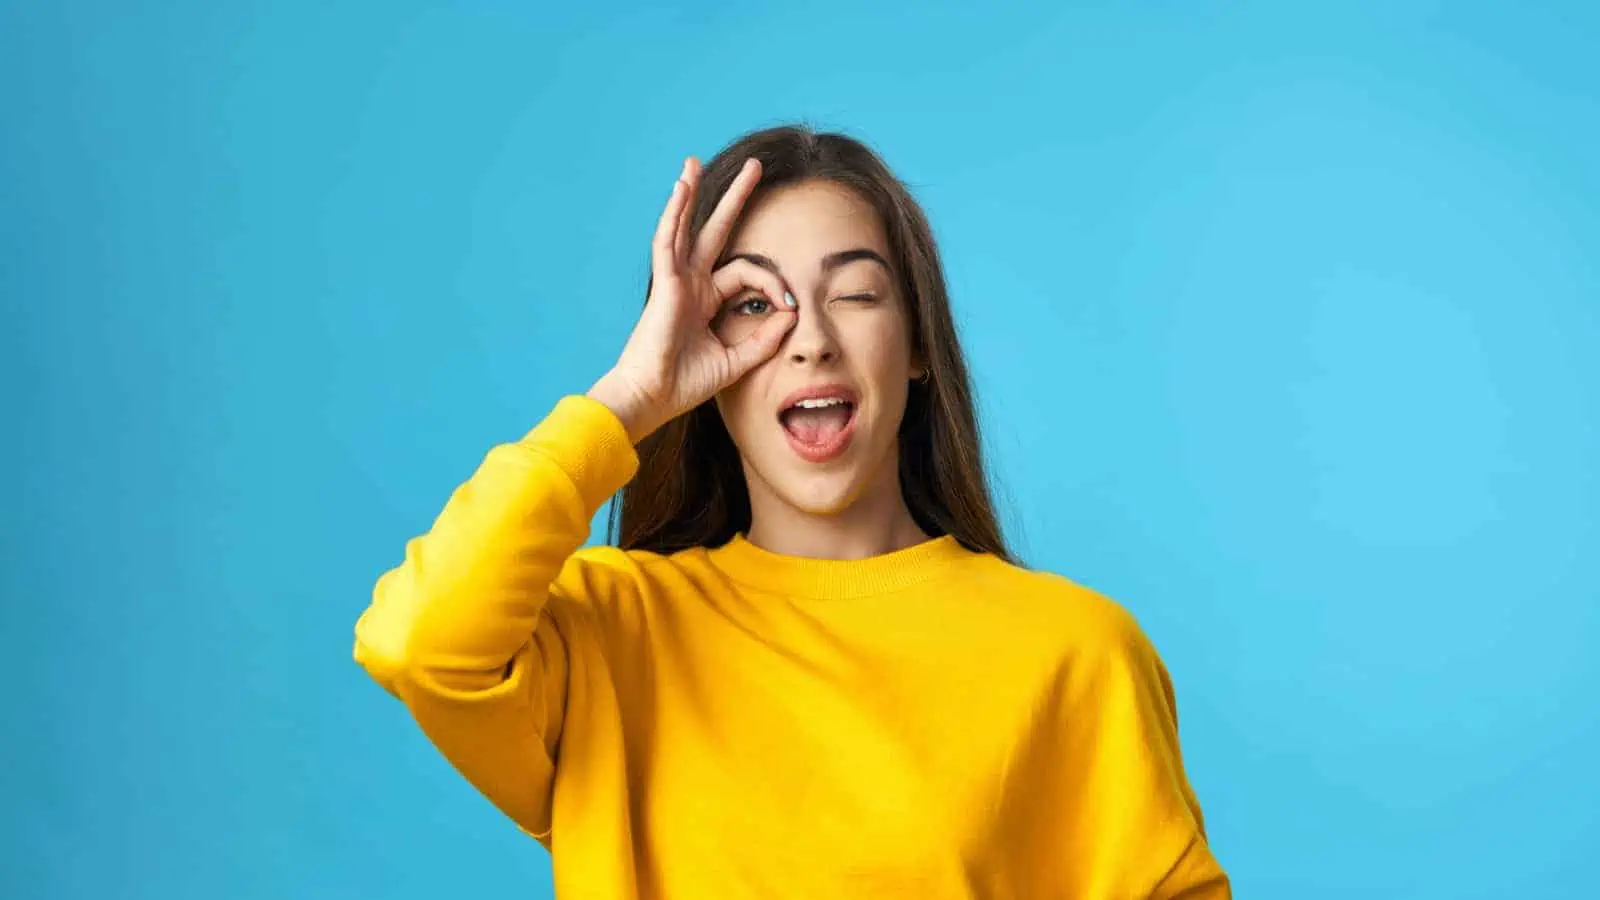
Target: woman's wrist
{"type": "Point", "coordinates": [625, 401]}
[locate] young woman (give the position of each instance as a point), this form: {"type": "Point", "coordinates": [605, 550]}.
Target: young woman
{"type": "Point", "coordinates": [808, 667]}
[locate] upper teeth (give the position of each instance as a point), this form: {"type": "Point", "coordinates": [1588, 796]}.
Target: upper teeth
{"type": "Point", "coordinates": [820, 402]}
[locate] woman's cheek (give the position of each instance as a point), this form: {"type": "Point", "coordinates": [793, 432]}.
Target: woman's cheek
{"type": "Point", "coordinates": [741, 414]}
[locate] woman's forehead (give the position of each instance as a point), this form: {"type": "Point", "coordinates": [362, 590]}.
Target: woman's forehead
{"type": "Point", "coordinates": [800, 227]}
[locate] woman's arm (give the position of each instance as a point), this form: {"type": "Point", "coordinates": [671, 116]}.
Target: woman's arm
{"type": "Point", "coordinates": [459, 631]}
{"type": "Point", "coordinates": [1195, 876]}
{"type": "Point", "coordinates": [1125, 804]}
{"type": "Point", "coordinates": [1140, 728]}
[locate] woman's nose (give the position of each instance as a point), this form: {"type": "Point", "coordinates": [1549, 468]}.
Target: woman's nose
{"type": "Point", "coordinates": [811, 339]}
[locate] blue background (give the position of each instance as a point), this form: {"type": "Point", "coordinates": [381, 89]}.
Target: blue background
{"type": "Point", "coordinates": [1284, 319]}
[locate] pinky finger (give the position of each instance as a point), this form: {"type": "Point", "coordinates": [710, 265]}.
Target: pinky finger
{"type": "Point", "coordinates": [691, 182]}
{"type": "Point", "coordinates": [661, 247]}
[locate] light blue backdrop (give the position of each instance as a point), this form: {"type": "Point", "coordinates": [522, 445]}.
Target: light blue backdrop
{"type": "Point", "coordinates": [1284, 316]}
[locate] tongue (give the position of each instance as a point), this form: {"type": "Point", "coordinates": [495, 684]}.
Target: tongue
{"type": "Point", "coordinates": [816, 426]}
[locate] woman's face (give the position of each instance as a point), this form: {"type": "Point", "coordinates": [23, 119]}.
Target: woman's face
{"type": "Point", "coordinates": [850, 342]}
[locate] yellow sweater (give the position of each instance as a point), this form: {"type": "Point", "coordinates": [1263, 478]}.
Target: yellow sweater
{"type": "Point", "coordinates": [931, 723]}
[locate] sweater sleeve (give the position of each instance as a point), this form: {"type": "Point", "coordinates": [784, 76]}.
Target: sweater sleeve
{"type": "Point", "coordinates": [1135, 807]}
{"type": "Point", "coordinates": [460, 632]}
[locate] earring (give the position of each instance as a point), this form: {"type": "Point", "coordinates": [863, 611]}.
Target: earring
{"type": "Point", "coordinates": [924, 377]}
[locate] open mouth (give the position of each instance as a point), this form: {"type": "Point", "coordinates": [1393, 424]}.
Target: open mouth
{"type": "Point", "coordinates": [819, 428]}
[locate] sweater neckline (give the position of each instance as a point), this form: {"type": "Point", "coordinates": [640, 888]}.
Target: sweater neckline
{"type": "Point", "coordinates": [834, 579]}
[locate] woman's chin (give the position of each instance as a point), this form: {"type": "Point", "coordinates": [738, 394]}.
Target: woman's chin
{"type": "Point", "coordinates": [820, 495]}
{"type": "Point", "coordinates": [827, 489]}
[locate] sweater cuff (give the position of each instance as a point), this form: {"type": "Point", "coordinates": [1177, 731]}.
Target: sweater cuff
{"type": "Point", "coordinates": [587, 441]}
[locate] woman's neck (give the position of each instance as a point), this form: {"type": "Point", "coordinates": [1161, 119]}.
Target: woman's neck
{"type": "Point", "coordinates": [877, 522]}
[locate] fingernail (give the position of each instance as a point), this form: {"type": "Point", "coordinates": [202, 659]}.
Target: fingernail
{"type": "Point", "coordinates": [788, 298]}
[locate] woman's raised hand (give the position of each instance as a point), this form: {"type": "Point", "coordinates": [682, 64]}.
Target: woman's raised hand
{"type": "Point", "coordinates": [674, 360]}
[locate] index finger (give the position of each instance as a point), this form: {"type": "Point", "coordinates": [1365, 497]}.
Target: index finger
{"type": "Point", "coordinates": [715, 232]}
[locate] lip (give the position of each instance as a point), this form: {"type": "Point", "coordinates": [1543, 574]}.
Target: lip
{"type": "Point", "coordinates": [837, 389]}
{"type": "Point", "coordinates": [819, 453]}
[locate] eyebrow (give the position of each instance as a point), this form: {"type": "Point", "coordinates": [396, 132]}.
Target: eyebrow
{"type": "Point", "coordinates": [829, 263]}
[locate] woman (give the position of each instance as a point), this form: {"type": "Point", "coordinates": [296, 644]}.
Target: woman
{"type": "Point", "coordinates": [809, 667]}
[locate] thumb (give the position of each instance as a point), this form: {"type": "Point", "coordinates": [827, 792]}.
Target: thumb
{"type": "Point", "coordinates": [759, 346]}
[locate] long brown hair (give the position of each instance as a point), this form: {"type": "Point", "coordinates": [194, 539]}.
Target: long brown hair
{"type": "Point", "coordinates": [690, 490]}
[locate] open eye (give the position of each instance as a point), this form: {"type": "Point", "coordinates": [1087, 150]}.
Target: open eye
{"type": "Point", "coordinates": [753, 305]}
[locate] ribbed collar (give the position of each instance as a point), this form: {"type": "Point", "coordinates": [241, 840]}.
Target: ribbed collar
{"type": "Point", "coordinates": [836, 579]}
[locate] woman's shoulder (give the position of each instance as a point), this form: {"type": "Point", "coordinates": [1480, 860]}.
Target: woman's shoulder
{"type": "Point", "coordinates": [625, 568]}
{"type": "Point", "coordinates": [622, 574]}
{"type": "Point", "coordinates": [1061, 606]}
